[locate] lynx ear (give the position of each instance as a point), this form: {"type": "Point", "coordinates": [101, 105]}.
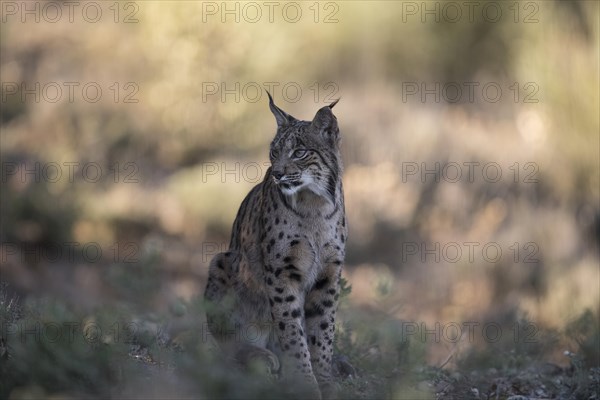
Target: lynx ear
{"type": "Point", "coordinates": [325, 123]}
{"type": "Point", "coordinates": [281, 116]}
{"type": "Point", "coordinates": [334, 103]}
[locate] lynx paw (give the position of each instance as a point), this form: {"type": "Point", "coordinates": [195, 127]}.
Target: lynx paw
{"type": "Point", "coordinates": [257, 359]}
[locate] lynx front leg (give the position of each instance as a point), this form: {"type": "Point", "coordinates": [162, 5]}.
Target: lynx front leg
{"type": "Point", "coordinates": [321, 304]}
{"type": "Point", "coordinates": [286, 299]}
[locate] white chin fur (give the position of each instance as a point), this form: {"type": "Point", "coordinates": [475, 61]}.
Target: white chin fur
{"type": "Point", "coordinates": [311, 185]}
{"type": "Point", "coordinates": [290, 191]}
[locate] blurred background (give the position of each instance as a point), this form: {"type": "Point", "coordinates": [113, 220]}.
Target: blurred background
{"type": "Point", "coordinates": [131, 132]}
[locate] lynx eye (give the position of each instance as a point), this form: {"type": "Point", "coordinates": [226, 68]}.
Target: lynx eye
{"type": "Point", "coordinates": [273, 154]}
{"type": "Point", "coordinates": [300, 153]}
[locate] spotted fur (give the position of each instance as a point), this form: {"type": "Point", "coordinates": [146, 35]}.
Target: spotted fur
{"type": "Point", "coordinates": [280, 278]}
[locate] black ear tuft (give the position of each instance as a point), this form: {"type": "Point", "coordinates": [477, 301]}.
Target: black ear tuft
{"type": "Point", "coordinates": [281, 116]}
{"type": "Point", "coordinates": [325, 123]}
{"type": "Point", "coordinates": [334, 103]}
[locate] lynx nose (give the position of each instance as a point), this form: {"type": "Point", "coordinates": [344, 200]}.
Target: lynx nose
{"type": "Point", "coordinates": [277, 175]}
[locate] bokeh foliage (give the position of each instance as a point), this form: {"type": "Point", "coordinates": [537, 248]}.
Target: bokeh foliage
{"type": "Point", "coordinates": [160, 209]}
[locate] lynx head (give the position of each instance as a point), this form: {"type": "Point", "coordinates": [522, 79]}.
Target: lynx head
{"type": "Point", "coordinates": [305, 155]}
